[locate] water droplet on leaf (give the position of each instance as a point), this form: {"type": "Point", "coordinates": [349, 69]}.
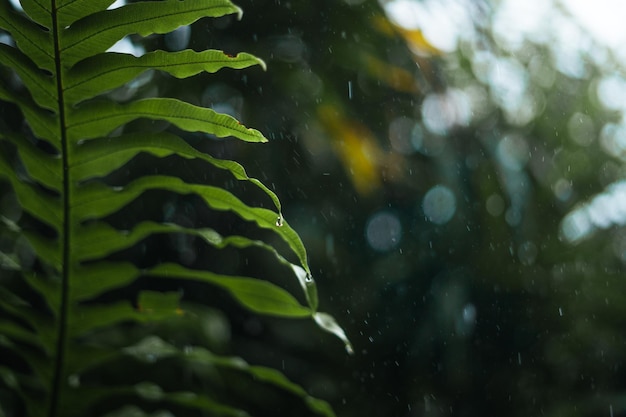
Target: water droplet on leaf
{"type": "Point", "coordinates": [280, 221]}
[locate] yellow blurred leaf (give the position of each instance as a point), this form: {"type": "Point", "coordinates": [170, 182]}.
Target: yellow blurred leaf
{"type": "Point", "coordinates": [395, 77]}
{"type": "Point", "coordinates": [418, 43]}
{"type": "Point", "coordinates": [356, 148]}
{"type": "Point", "coordinates": [415, 39]}
{"type": "Point", "coordinates": [383, 25]}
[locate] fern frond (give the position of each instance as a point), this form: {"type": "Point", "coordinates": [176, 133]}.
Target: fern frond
{"type": "Point", "coordinates": [93, 120]}
{"type": "Point", "coordinates": [100, 73]}
{"type": "Point", "coordinates": [76, 135]}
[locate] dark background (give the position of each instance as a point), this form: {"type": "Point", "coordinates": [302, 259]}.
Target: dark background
{"type": "Point", "coordinates": [471, 301]}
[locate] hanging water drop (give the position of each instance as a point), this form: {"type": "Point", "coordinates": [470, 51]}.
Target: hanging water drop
{"type": "Point", "coordinates": [280, 221]}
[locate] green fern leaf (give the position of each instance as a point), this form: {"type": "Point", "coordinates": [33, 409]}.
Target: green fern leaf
{"type": "Point", "coordinates": [98, 74]}
{"type": "Point", "coordinates": [75, 135]}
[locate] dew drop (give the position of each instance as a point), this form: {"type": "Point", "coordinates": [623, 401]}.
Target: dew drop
{"type": "Point", "coordinates": [280, 221]}
{"type": "Point", "coordinates": [308, 278]}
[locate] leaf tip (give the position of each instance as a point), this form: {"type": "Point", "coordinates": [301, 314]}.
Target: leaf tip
{"type": "Point", "coordinates": [239, 13]}
{"type": "Point", "coordinates": [328, 323]}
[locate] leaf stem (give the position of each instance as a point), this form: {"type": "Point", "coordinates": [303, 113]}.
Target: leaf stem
{"type": "Point", "coordinates": [57, 379]}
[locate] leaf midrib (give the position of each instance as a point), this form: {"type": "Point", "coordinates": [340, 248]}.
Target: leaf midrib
{"type": "Point", "coordinates": [57, 381]}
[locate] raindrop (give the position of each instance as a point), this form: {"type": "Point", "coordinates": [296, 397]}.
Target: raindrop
{"type": "Point", "coordinates": [350, 90]}
{"type": "Point", "coordinates": [560, 312]}
{"type": "Point", "coordinates": [280, 221]}
{"type": "Point", "coordinates": [308, 278]}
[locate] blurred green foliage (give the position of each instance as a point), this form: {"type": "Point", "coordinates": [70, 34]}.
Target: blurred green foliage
{"type": "Point", "coordinates": [462, 209]}
{"type": "Point", "coordinates": [488, 307]}
{"type": "Point", "coordinates": [99, 239]}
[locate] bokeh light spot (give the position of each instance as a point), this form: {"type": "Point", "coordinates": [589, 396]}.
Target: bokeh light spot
{"type": "Point", "coordinates": [439, 204]}
{"type": "Point", "coordinates": [581, 129]}
{"type": "Point", "coordinates": [495, 205]}
{"type": "Point", "coordinates": [513, 152]}
{"type": "Point", "coordinates": [383, 231]}
{"type": "Point", "coordinates": [441, 112]}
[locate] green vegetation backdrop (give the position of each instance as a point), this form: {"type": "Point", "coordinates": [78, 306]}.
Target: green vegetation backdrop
{"type": "Point", "coordinates": [462, 211]}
